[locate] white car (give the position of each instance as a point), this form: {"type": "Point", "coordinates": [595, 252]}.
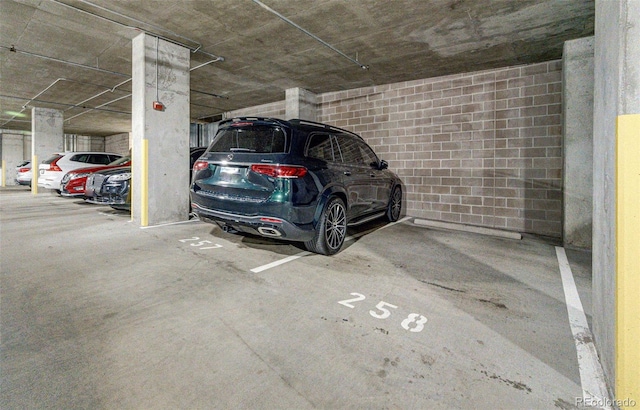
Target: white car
{"type": "Point", "coordinates": [51, 170]}
{"type": "Point", "coordinates": [23, 173]}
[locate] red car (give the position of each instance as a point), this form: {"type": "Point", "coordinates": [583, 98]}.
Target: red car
{"type": "Point", "coordinates": [72, 184]}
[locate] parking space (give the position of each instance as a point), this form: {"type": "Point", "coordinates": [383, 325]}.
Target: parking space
{"type": "Point", "coordinates": [98, 313]}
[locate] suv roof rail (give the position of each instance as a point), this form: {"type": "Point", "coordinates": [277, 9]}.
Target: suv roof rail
{"type": "Point", "coordinates": [251, 118]}
{"type": "Point", "coordinates": [295, 121]}
{"type": "Point", "coordinates": [298, 121]}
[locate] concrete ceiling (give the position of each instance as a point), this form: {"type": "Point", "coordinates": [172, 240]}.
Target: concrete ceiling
{"type": "Point", "coordinates": [61, 53]}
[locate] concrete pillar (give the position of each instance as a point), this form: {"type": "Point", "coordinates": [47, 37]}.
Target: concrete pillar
{"type": "Point", "coordinates": [577, 72]}
{"type": "Point", "coordinates": [27, 147]}
{"type": "Point", "coordinates": [12, 155]}
{"type": "Point", "coordinates": [616, 182]}
{"type": "Point", "coordinates": [160, 137]}
{"type": "Point", "coordinates": [47, 138]}
{"type": "Point", "coordinates": [302, 104]}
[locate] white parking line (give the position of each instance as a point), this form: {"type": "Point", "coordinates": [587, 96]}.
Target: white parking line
{"type": "Point", "coordinates": [280, 262]}
{"type": "Point", "coordinates": [305, 253]}
{"type": "Point", "coordinates": [169, 224]}
{"type": "Point", "coordinates": [594, 386]}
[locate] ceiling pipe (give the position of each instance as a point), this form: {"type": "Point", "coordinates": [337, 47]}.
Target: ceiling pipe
{"type": "Point", "coordinates": [58, 103]}
{"type": "Point", "coordinates": [71, 106]}
{"type": "Point", "coordinates": [270, 10]}
{"type": "Point", "coordinates": [98, 95]}
{"type": "Point", "coordinates": [99, 107]}
{"type": "Point", "coordinates": [211, 94]}
{"type": "Point", "coordinates": [162, 29]}
{"type": "Point", "coordinates": [24, 106]}
{"type": "Point", "coordinates": [14, 120]}
{"type": "Point", "coordinates": [202, 65]}
{"type": "Point", "coordinates": [102, 70]}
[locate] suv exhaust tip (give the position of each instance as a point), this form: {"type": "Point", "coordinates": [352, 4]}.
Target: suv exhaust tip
{"type": "Point", "coordinates": [269, 231]}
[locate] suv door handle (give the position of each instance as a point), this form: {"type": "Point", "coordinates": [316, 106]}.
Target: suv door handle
{"type": "Point", "coordinates": [347, 173]}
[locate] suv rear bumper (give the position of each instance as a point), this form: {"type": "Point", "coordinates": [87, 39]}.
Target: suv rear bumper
{"type": "Point", "coordinates": [261, 225]}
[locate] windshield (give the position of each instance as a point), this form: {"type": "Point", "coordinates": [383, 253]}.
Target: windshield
{"type": "Point", "coordinates": [120, 161]}
{"type": "Point", "coordinates": [263, 139]}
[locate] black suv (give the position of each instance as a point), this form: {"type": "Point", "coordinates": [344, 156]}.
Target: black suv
{"type": "Point", "coordinates": [295, 180]}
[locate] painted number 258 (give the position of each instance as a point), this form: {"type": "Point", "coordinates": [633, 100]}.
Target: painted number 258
{"type": "Point", "coordinates": [413, 323]}
{"type": "Point", "coordinates": [200, 244]}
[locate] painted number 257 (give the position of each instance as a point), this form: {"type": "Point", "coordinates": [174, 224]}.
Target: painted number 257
{"type": "Point", "coordinates": [413, 323]}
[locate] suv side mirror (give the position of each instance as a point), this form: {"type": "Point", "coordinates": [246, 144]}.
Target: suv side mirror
{"type": "Point", "coordinates": [383, 164]}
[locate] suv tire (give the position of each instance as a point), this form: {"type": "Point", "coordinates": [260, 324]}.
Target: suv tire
{"type": "Point", "coordinates": [331, 230]}
{"type": "Point", "coordinates": [395, 205]}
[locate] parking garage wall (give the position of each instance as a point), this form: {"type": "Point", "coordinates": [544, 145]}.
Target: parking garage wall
{"type": "Point", "coordinates": [118, 143]}
{"type": "Point", "coordinates": [482, 148]}
{"type": "Point", "coordinates": [274, 110]}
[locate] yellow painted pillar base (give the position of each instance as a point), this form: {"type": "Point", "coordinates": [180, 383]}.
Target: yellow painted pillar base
{"type": "Point", "coordinates": [34, 174]}
{"type": "Point", "coordinates": [627, 293]}
{"type": "Point", "coordinates": [144, 185]}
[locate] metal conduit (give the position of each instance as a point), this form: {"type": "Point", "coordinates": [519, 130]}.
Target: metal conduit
{"type": "Point", "coordinates": [107, 89]}
{"type": "Point", "coordinates": [192, 49]}
{"type": "Point", "coordinates": [102, 70]}
{"type": "Point", "coordinates": [98, 95]}
{"type": "Point", "coordinates": [71, 106]}
{"type": "Point", "coordinates": [99, 106]}
{"type": "Point", "coordinates": [24, 106]}
{"type": "Point", "coordinates": [210, 94]}
{"type": "Point", "coordinates": [58, 103]}
{"type": "Point", "coordinates": [270, 10]}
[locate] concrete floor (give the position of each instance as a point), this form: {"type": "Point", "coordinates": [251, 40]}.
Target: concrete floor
{"type": "Point", "coordinates": [98, 313]}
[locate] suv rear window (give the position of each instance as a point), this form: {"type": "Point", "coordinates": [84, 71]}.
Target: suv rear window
{"type": "Point", "coordinates": [262, 139]}
{"type": "Point", "coordinates": [321, 147]}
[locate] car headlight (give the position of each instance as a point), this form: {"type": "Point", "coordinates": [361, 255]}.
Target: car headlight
{"type": "Point", "coordinates": [80, 175]}
{"type": "Point", "coordinates": [120, 177]}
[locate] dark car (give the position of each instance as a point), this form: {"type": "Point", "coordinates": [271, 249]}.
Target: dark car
{"type": "Point", "coordinates": [112, 186]}
{"type": "Point", "coordinates": [294, 180]}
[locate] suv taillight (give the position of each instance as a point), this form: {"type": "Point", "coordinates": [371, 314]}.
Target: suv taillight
{"type": "Point", "coordinates": [53, 166]}
{"type": "Point", "coordinates": [25, 169]}
{"type": "Point", "coordinates": [280, 171]}
{"type": "Point", "coordinates": [200, 165]}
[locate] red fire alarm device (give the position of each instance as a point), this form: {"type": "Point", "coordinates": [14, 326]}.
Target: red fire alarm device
{"type": "Point", "coordinates": [158, 106]}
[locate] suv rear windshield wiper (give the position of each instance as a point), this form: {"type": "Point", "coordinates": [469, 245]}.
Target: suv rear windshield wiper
{"type": "Point", "coordinates": [242, 150]}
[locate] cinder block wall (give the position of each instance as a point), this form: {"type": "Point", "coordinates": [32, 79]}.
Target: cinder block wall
{"type": "Point", "coordinates": [86, 143]}
{"type": "Point", "coordinates": [481, 148]}
{"type": "Point", "coordinates": [118, 143]}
